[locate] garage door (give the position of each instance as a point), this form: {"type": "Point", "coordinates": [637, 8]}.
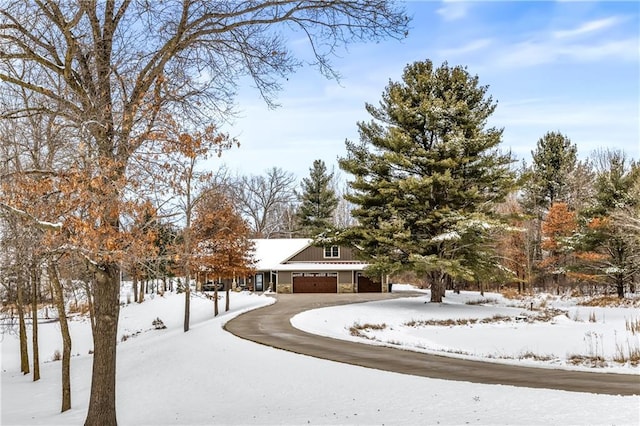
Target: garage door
{"type": "Point", "coordinates": [367, 285]}
{"type": "Point", "coordinates": [310, 284]}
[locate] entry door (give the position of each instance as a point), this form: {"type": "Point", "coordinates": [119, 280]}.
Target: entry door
{"type": "Point", "coordinates": [259, 283]}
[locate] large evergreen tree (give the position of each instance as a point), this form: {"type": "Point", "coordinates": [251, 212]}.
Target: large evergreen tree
{"type": "Point", "coordinates": [426, 174]}
{"type": "Point", "coordinates": [554, 160]}
{"type": "Point", "coordinates": [318, 201]}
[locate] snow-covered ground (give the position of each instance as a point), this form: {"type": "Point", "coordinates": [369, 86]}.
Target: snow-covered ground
{"type": "Point", "coordinates": [208, 376]}
{"type": "Point", "coordinates": [555, 334]}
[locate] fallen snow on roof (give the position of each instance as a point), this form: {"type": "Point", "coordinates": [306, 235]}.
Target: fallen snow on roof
{"type": "Point", "coordinates": [269, 253]}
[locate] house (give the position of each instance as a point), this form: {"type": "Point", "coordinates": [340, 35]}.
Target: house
{"type": "Point", "coordinates": [296, 266]}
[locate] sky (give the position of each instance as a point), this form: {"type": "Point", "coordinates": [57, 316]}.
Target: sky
{"type": "Point", "coordinates": [209, 376]}
{"type": "Point", "coordinates": [572, 67]}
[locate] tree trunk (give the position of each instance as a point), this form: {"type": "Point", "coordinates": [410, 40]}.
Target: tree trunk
{"type": "Point", "coordinates": [215, 299]}
{"type": "Point", "coordinates": [58, 298]}
{"type": "Point", "coordinates": [134, 278]}
{"type": "Point", "coordinates": [24, 353]}
{"type": "Point", "coordinates": [437, 286]}
{"type": "Point", "coordinates": [226, 304]}
{"type": "Point", "coordinates": [102, 404]}
{"type": "Point", "coordinates": [34, 322]}
{"type": "Point", "coordinates": [92, 312]}
{"type": "Point", "coordinates": [141, 294]}
{"type": "Point", "coordinates": [187, 303]}
{"type": "Point", "coordinates": [620, 287]}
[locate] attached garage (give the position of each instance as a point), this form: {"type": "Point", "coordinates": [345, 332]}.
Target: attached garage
{"type": "Point", "coordinates": [367, 285]}
{"type": "Point", "coordinates": [310, 282]}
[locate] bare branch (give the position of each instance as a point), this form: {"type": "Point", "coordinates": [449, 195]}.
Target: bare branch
{"type": "Point", "coordinates": [40, 224]}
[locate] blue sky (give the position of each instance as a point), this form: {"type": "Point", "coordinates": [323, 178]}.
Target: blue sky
{"type": "Point", "coordinates": [565, 66]}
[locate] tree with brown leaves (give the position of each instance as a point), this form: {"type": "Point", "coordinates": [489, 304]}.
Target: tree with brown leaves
{"type": "Point", "coordinates": [109, 68]}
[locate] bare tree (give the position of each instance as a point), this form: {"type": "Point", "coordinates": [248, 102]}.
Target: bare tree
{"type": "Point", "coordinates": [13, 250]}
{"type": "Point", "coordinates": [183, 152]}
{"type": "Point", "coordinates": [264, 200]}
{"type": "Point", "coordinates": [110, 67]}
{"type": "Point", "coordinates": [58, 296]}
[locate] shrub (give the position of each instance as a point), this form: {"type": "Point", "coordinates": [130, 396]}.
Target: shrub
{"type": "Point", "coordinates": [480, 301]}
{"type": "Point", "coordinates": [511, 293]}
{"type": "Point", "coordinates": [158, 324]}
{"type": "Point", "coordinates": [632, 325]}
{"type": "Point", "coordinates": [57, 356]}
{"type": "Point", "coordinates": [357, 329]}
{"type": "Point", "coordinates": [79, 308]}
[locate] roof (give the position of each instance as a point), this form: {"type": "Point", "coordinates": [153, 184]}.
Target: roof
{"type": "Point", "coordinates": [270, 253]}
{"type": "Point", "coordinates": [321, 266]}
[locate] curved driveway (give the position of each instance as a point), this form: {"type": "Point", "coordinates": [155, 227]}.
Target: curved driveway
{"type": "Point", "coordinates": [271, 326]}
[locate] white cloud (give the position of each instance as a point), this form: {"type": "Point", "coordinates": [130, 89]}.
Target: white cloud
{"type": "Point", "coordinates": [583, 122]}
{"type": "Point", "coordinates": [538, 52]}
{"type": "Point", "coordinates": [587, 27]}
{"type": "Point", "coordinates": [452, 10]}
{"type": "Point", "coordinates": [579, 44]}
{"type": "Point", "coordinates": [471, 47]}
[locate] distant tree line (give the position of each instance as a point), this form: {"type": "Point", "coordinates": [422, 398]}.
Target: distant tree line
{"type": "Point", "coordinates": [106, 118]}
{"type": "Point", "coordinates": [435, 197]}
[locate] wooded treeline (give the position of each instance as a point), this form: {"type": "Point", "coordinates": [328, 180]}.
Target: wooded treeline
{"type": "Point", "coordinates": [436, 197]}
{"type": "Point", "coordinates": [109, 109]}
{"type": "Point", "coordinates": [109, 105]}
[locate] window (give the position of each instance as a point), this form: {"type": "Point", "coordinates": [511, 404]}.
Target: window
{"type": "Point", "coordinates": [332, 252]}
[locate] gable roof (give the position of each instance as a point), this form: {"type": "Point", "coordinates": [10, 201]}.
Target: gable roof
{"type": "Point", "coordinates": [270, 253]}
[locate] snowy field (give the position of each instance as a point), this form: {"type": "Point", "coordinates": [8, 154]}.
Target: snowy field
{"type": "Point", "coordinates": [555, 334]}
{"type": "Point", "coordinates": [207, 376]}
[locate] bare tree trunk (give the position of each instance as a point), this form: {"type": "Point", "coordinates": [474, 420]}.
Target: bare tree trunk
{"type": "Point", "coordinates": [141, 294]}
{"type": "Point", "coordinates": [620, 286]}
{"type": "Point", "coordinates": [437, 286]}
{"type": "Point", "coordinates": [24, 353]}
{"type": "Point", "coordinates": [226, 302]}
{"type": "Point", "coordinates": [134, 278]}
{"type": "Point", "coordinates": [187, 302]}
{"type": "Point", "coordinates": [102, 404]}
{"type": "Point", "coordinates": [58, 298]}
{"type": "Point", "coordinates": [92, 312]}
{"type": "Point", "coordinates": [34, 322]}
{"type": "Point", "coordinates": [215, 299]}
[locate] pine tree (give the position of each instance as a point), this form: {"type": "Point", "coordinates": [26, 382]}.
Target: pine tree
{"type": "Point", "coordinates": [318, 201]}
{"type": "Point", "coordinates": [607, 231]}
{"type": "Point", "coordinates": [548, 180]}
{"type": "Point", "coordinates": [553, 162]}
{"type": "Point", "coordinates": [425, 176]}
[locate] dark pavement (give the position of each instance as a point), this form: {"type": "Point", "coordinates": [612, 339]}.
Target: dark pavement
{"type": "Point", "coordinates": [271, 326]}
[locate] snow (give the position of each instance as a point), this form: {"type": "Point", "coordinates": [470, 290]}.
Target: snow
{"type": "Point", "coordinates": [268, 252]}
{"type": "Point", "coordinates": [447, 236]}
{"type": "Point", "coordinates": [208, 376]}
{"type": "Point", "coordinates": [511, 334]}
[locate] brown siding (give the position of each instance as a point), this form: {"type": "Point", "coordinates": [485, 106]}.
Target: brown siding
{"type": "Point", "coordinates": [345, 277]}
{"type": "Point", "coordinates": [316, 254]}
{"type": "Point", "coordinates": [284, 277]}
{"type": "Point", "coordinates": [345, 282]}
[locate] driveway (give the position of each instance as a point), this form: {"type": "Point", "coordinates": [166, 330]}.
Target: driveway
{"type": "Point", "coordinates": [271, 326]}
